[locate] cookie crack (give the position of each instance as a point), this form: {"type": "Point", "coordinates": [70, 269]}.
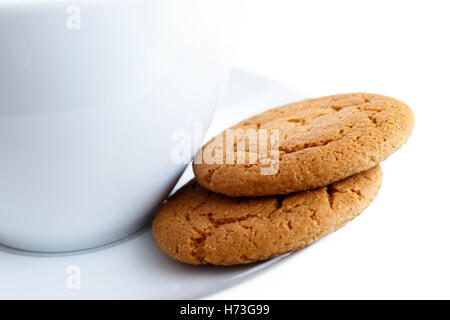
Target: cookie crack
{"type": "Point", "coordinates": [342, 134]}
{"type": "Point", "coordinates": [330, 195]}
{"type": "Point", "coordinates": [217, 222]}
{"type": "Point", "coordinates": [306, 145]}
{"type": "Point", "coordinates": [209, 176]}
{"type": "Point", "coordinates": [188, 215]}
{"type": "Point", "coordinates": [358, 193]}
{"type": "Point", "coordinates": [201, 235]}
{"type": "Point", "coordinates": [223, 221]}
{"type": "Point", "coordinates": [197, 243]}
{"type": "Point", "coordinates": [321, 143]}
{"type": "Point", "coordinates": [248, 236]}
{"type": "Point", "coordinates": [284, 150]}
{"type": "Point", "coordinates": [314, 217]}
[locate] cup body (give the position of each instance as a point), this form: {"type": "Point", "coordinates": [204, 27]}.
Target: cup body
{"type": "Point", "coordinates": [90, 94]}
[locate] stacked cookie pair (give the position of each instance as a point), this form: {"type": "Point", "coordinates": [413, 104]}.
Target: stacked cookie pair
{"type": "Point", "coordinates": [327, 173]}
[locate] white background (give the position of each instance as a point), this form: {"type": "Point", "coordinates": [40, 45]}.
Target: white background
{"type": "Point", "coordinates": [400, 246]}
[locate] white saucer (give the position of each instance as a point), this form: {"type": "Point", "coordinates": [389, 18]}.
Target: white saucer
{"type": "Point", "coordinates": [135, 268]}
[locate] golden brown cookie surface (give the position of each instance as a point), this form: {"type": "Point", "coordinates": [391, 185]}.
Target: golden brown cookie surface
{"type": "Point", "coordinates": [320, 141]}
{"type": "Point", "coordinates": [197, 226]}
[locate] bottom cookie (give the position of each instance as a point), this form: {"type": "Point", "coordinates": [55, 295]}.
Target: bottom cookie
{"type": "Point", "coordinates": [197, 226]}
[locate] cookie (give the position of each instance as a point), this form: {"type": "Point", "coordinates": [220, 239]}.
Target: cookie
{"type": "Point", "coordinates": [197, 226]}
{"type": "Point", "coordinates": [320, 141]}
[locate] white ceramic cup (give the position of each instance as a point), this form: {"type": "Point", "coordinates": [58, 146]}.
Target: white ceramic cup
{"type": "Point", "coordinates": [90, 93]}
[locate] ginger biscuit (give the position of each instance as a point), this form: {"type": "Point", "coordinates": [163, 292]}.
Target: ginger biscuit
{"type": "Point", "coordinates": [197, 226]}
{"type": "Point", "coordinates": [320, 141]}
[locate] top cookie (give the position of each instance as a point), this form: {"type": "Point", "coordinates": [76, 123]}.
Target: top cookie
{"type": "Point", "coordinates": [321, 141]}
